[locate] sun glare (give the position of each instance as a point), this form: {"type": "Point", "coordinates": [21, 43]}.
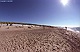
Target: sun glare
{"type": "Point", "coordinates": [64, 2]}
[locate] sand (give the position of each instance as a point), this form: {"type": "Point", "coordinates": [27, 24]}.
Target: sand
{"type": "Point", "coordinates": [38, 40]}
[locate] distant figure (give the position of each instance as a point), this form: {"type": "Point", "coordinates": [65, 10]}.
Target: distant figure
{"type": "Point", "coordinates": [66, 28]}
{"type": "Point", "coordinates": [7, 24]}
{"type": "Point", "coordinates": [10, 24]}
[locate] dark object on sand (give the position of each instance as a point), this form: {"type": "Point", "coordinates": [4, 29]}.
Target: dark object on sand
{"type": "Point", "coordinates": [29, 27]}
{"type": "Point", "coordinates": [66, 28]}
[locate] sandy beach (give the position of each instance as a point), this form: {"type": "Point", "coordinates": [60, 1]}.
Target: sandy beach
{"type": "Point", "coordinates": [38, 40]}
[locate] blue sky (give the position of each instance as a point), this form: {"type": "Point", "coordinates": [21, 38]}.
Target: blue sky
{"type": "Point", "coordinates": [48, 12]}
